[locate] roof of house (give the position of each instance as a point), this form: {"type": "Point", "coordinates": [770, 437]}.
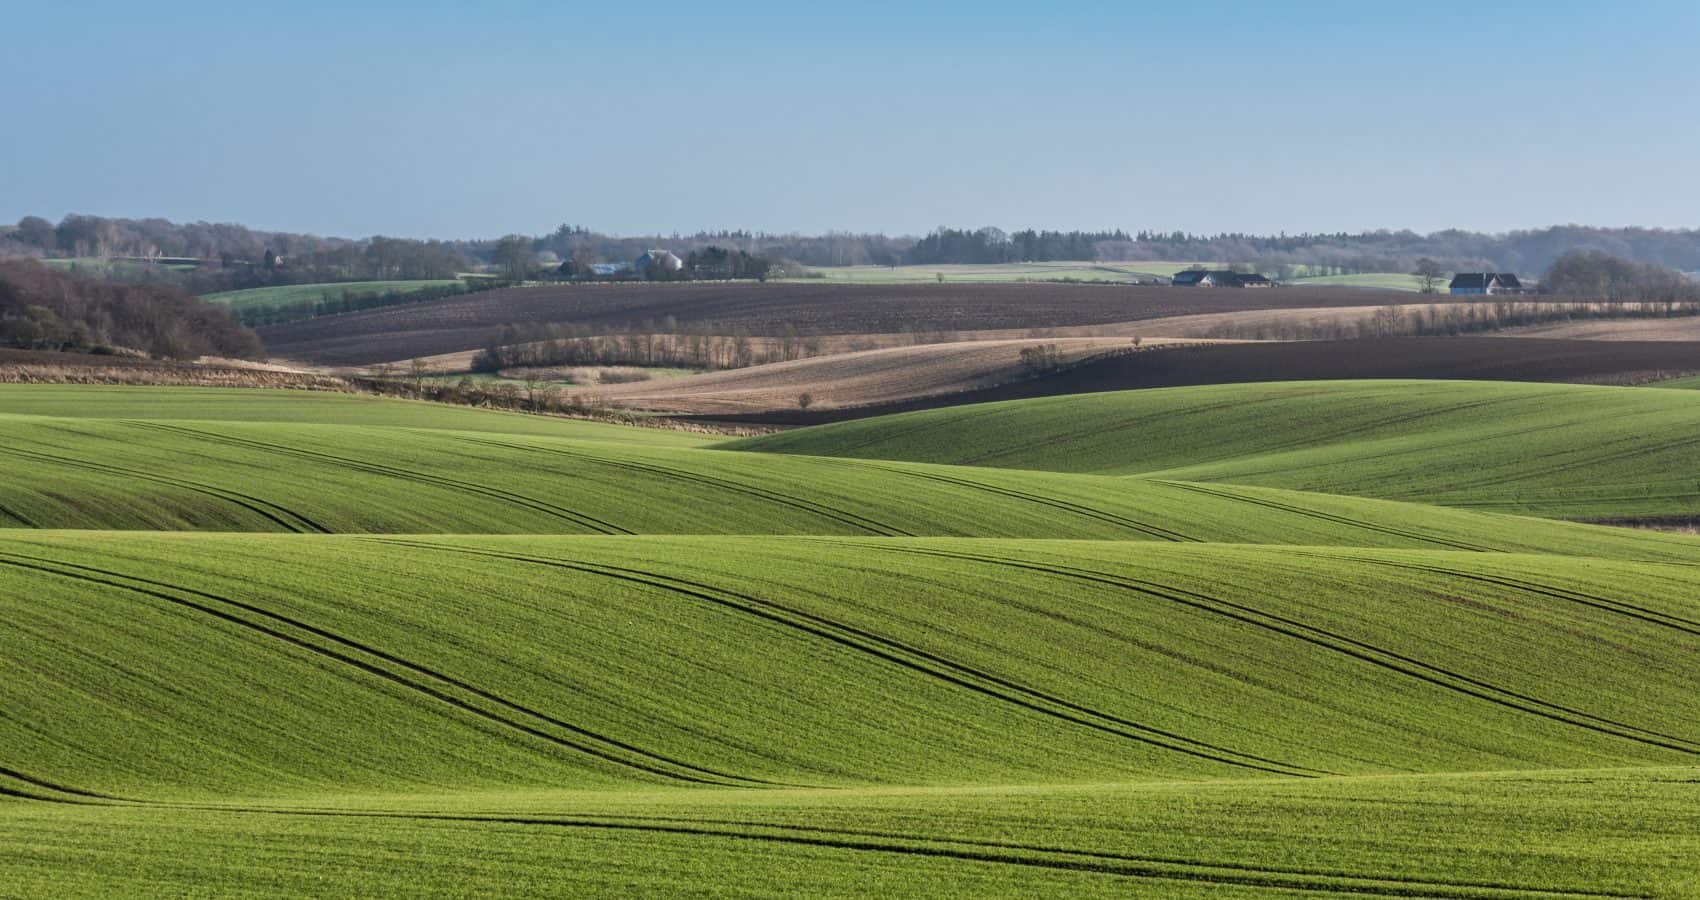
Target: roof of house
{"type": "Point", "coordinates": [1220, 276]}
{"type": "Point", "coordinates": [1484, 280]}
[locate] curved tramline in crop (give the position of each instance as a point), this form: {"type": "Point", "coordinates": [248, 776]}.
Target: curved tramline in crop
{"type": "Point", "coordinates": [371, 661]}
{"type": "Point", "coordinates": [906, 656]}
{"type": "Point", "coordinates": [1359, 650]}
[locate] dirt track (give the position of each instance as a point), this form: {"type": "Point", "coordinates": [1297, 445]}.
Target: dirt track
{"type": "Point", "coordinates": [464, 323]}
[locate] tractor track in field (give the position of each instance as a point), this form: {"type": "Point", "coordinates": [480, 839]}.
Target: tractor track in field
{"type": "Point", "coordinates": [904, 655]}
{"type": "Point", "coordinates": [1098, 862]}
{"type": "Point", "coordinates": [1112, 427]}
{"type": "Point", "coordinates": [1214, 491]}
{"type": "Point", "coordinates": [266, 509]}
{"type": "Point", "coordinates": [1069, 506]}
{"type": "Point", "coordinates": [17, 516]}
{"type": "Point", "coordinates": [584, 741]}
{"type": "Point", "coordinates": [1095, 862]}
{"type": "Point", "coordinates": [1618, 607]}
{"type": "Point", "coordinates": [76, 796]}
{"type": "Point", "coordinates": [811, 507]}
{"type": "Point", "coordinates": [371, 468]}
{"type": "Point", "coordinates": [1368, 653]}
{"type": "Point", "coordinates": [1591, 461]}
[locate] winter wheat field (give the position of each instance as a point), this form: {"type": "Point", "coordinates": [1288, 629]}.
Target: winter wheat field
{"type": "Point", "coordinates": [1282, 639]}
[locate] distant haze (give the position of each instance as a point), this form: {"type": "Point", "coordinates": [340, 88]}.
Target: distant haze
{"type": "Point", "coordinates": [426, 121]}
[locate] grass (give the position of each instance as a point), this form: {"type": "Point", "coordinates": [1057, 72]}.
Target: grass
{"type": "Point", "coordinates": [1391, 281]}
{"type": "Point", "coordinates": [282, 461]}
{"type": "Point", "coordinates": [195, 404]}
{"type": "Point", "coordinates": [1044, 271]}
{"type": "Point", "coordinates": [1571, 451]}
{"type": "Point", "coordinates": [281, 295]}
{"type": "Point", "coordinates": [1690, 383]}
{"type": "Point", "coordinates": [267, 680]}
{"type": "Point", "coordinates": [958, 670]}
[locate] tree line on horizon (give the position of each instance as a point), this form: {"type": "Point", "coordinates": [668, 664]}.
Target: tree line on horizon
{"type": "Point", "coordinates": [234, 256]}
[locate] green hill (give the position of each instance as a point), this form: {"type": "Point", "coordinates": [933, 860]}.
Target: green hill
{"type": "Point", "coordinates": [1089, 646]}
{"type": "Point", "coordinates": [265, 676]}
{"type": "Point", "coordinates": [452, 470]}
{"type": "Point", "coordinates": [1574, 451]}
{"type": "Point", "coordinates": [284, 295]}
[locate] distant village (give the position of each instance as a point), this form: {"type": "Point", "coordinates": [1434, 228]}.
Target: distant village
{"type": "Point", "coordinates": [1483, 283]}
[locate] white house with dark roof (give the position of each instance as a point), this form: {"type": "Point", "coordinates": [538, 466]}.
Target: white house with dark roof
{"type": "Point", "coordinates": [1485, 283]}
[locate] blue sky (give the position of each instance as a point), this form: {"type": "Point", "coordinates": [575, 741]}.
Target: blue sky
{"type": "Point", "coordinates": [446, 120]}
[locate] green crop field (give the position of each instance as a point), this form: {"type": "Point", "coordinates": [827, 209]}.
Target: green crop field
{"type": "Point", "coordinates": [282, 295]}
{"type": "Point", "coordinates": [1205, 642]}
{"type": "Point", "coordinates": [1572, 451]}
{"type": "Point", "coordinates": [1685, 383]}
{"type": "Point", "coordinates": [1391, 281]}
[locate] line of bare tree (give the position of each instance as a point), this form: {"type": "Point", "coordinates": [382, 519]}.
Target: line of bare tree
{"type": "Point", "coordinates": [41, 309]}
{"type": "Point", "coordinates": [696, 345]}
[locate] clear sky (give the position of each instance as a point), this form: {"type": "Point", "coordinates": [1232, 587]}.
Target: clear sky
{"type": "Point", "coordinates": [461, 120]}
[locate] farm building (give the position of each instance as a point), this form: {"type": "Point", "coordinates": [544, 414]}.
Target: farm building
{"type": "Point", "coordinates": [1219, 278]}
{"type": "Point", "coordinates": [662, 262]}
{"type": "Point", "coordinates": [1486, 283]}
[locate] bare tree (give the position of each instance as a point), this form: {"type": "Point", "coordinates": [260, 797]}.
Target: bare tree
{"type": "Point", "coordinates": [513, 256]}
{"type": "Point", "coordinates": [1430, 274]}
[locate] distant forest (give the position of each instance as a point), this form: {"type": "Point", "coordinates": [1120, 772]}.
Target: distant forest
{"type": "Point", "coordinates": [41, 309]}
{"type": "Point", "coordinates": [234, 256]}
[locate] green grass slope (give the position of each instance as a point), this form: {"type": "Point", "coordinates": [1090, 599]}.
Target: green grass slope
{"type": "Point", "coordinates": [1574, 451]}
{"type": "Point", "coordinates": [131, 474]}
{"type": "Point", "coordinates": [198, 404]}
{"type": "Point", "coordinates": [279, 666]}
{"type": "Point", "coordinates": [278, 712]}
{"type": "Point", "coordinates": [1596, 833]}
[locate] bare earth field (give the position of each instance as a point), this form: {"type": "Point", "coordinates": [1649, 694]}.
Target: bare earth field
{"type": "Point", "coordinates": [457, 324]}
{"type": "Point", "coordinates": [1478, 358]}
{"type": "Point", "coordinates": [849, 379]}
{"type": "Point", "coordinates": [1678, 329]}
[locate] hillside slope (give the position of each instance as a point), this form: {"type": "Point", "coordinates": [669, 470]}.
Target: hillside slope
{"type": "Point", "coordinates": [272, 666]}
{"type": "Point", "coordinates": [1563, 450]}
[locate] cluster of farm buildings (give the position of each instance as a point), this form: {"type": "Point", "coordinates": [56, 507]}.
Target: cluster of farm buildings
{"type": "Point", "coordinates": [1462, 283]}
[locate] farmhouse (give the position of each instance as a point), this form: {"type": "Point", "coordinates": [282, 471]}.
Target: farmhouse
{"type": "Point", "coordinates": [661, 262]}
{"type": "Point", "coordinates": [1486, 283]}
{"type": "Point", "coordinates": [1219, 278]}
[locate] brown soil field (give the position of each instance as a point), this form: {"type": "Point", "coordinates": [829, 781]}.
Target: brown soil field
{"type": "Point", "coordinates": [849, 379]}
{"type": "Point", "coordinates": [1686, 328]}
{"type": "Point", "coordinates": [464, 323]}
{"type": "Point", "coordinates": [1480, 358]}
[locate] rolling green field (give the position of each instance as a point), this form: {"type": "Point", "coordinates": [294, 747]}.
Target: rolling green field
{"type": "Point", "coordinates": [1570, 451]}
{"type": "Point", "coordinates": [282, 295]}
{"type": "Point", "coordinates": [1045, 271]}
{"type": "Point", "coordinates": [260, 642]}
